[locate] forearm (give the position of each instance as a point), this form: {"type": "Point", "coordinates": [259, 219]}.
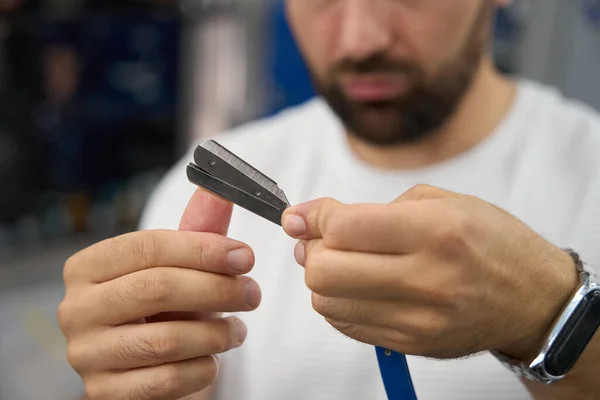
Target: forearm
{"type": "Point", "coordinates": [582, 383]}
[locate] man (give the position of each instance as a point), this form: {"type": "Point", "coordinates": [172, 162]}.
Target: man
{"type": "Point", "coordinates": [409, 97]}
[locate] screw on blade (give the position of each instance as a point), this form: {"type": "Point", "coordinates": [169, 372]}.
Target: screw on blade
{"type": "Point", "coordinates": [245, 168]}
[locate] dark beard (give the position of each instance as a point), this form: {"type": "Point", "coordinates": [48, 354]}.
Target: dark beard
{"type": "Point", "coordinates": [424, 109]}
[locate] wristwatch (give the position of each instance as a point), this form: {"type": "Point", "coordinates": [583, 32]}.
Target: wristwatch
{"type": "Point", "coordinates": [569, 336]}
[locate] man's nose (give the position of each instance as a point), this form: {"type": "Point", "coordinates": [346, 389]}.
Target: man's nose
{"type": "Point", "coordinates": [364, 31]}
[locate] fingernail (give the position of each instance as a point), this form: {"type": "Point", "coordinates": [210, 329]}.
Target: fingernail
{"type": "Point", "coordinates": [294, 225]}
{"type": "Point", "coordinates": [241, 330]}
{"type": "Point", "coordinates": [253, 295]}
{"type": "Point", "coordinates": [299, 253]}
{"type": "Point", "coordinates": [239, 260]}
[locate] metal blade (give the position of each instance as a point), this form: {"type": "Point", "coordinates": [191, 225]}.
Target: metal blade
{"type": "Point", "coordinates": [231, 193]}
{"type": "Point", "coordinates": [246, 169]}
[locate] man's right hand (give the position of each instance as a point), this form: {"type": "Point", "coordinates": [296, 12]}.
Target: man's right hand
{"type": "Point", "coordinates": [141, 311]}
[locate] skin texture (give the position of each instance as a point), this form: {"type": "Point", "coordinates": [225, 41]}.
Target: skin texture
{"type": "Point", "coordinates": [141, 311]}
{"type": "Point", "coordinates": [393, 276]}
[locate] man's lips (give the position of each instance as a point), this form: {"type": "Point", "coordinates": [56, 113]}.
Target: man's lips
{"type": "Point", "coordinates": [374, 88]}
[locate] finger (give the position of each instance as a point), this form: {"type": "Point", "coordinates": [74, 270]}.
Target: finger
{"type": "Point", "coordinates": [345, 274]}
{"type": "Point", "coordinates": [151, 292]}
{"type": "Point", "coordinates": [133, 252]}
{"type": "Point", "coordinates": [309, 220]}
{"type": "Point", "coordinates": [378, 228]}
{"type": "Point", "coordinates": [386, 338]}
{"type": "Point", "coordinates": [206, 212]}
{"type": "Point", "coordinates": [165, 382]}
{"type": "Point", "coordinates": [136, 346]}
{"type": "Point", "coordinates": [196, 219]}
{"type": "Point", "coordinates": [406, 343]}
{"type": "Point", "coordinates": [410, 318]}
{"type": "Point", "coordinates": [422, 192]}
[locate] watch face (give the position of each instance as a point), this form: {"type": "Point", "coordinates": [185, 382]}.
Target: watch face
{"type": "Point", "coordinates": [575, 336]}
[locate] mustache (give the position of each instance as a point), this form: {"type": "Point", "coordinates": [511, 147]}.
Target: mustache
{"type": "Point", "coordinates": [377, 64]}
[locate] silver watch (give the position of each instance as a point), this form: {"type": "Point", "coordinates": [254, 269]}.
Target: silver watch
{"type": "Point", "coordinates": [570, 334]}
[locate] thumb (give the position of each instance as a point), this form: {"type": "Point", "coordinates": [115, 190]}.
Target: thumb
{"type": "Point", "coordinates": [425, 192]}
{"type": "Point", "coordinates": [206, 212]}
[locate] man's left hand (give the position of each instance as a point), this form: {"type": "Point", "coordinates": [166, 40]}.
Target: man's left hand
{"type": "Point", "coordinates": [434, 274]}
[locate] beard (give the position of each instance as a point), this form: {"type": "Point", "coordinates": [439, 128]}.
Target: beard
{"type": "Point", "coordinates": [422, 110]}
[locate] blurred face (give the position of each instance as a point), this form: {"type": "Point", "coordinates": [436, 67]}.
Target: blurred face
{"type": "Point", "coordinates": [393, 70]}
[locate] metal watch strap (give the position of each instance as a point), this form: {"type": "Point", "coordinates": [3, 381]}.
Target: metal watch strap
{"type": "Point", "coordinates": [536, 370]}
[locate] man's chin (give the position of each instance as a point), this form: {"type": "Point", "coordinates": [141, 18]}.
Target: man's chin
{"type": "Point", "coordinates": [377, 126]}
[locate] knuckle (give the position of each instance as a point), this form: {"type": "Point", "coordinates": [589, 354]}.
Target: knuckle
{"type": "Point", "coordinates": [171, 379]}
{"type": "Point", "coordinates": [453, 237]}
{"type": "Point", "coordinates": [154, 286]}
{"type": "Point", "coordinates": [320, 216]}
{"type": "Point", "coordinates": [417, 189]}
{"type": "Point", "coordinates": [142, 348]}
{"type": "Point", "coordinates": [415, 192]}
{"type": "Point", "coordinates": [227, 288]}
{"type": "Point", "coordinates": [160, 287]}
{"type": "Point", "coordinates": [76, 355]}
{"type": "Point", "coordinates": [113, 249]}
{"type": "Point", "coordinates": [166, 346]}
{"type": "Point", "coordinates": [66, 314]}
{"type": "Point", "coordinates": [146, 250]}
{"type": "Point", "coordinates": [126, 349]}
{"type": "Point", "coordinates": [70, 269]}
{"type": "Point", "coordinates": [334, 224]}
{"type": "Point", "coordinates": [439, 294]}
{"type": "Point", "coordinates": [204, 253]}
{"type": "Point", "coordinates": [430, 327]}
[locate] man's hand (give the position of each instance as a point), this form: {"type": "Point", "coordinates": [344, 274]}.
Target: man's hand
{"type": "Point", "coordinates": [433, 274]}
{"type": "Point", "coordinates": [140, 310]}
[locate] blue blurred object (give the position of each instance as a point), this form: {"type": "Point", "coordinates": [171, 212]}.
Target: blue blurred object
{"type": "Point", "coordinates": [591, 9]}
{"type": "Point", "coordinates": [129, 62]}
{"type": "Point", "coordinates": [288, 78]}
{"type": "Point", "coordinates": [124, 107]}
{"type": "Point", "coordinates": [505, 27]}
{"type": "Point", "coordinates": [396, 375]}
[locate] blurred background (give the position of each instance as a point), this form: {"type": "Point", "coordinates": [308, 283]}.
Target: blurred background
{"type": "Point", "coordinates": [98, 98]}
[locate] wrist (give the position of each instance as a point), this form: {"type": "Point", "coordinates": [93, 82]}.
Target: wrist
{"type": "Point", "coordinates": [551, 299]}
{"type": "Point", "coordinates": [566, 345]}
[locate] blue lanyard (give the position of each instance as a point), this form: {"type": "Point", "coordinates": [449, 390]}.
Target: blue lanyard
{"type": "Point", "coordinates": [395, 374]}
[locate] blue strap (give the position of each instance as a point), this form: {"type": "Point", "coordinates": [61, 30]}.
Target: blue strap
{"type": "Point", "coordinates": [395, 374]}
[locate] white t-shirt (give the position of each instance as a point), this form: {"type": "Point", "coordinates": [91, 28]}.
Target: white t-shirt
{"type": "Point", "coordinates": [542, 164]}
